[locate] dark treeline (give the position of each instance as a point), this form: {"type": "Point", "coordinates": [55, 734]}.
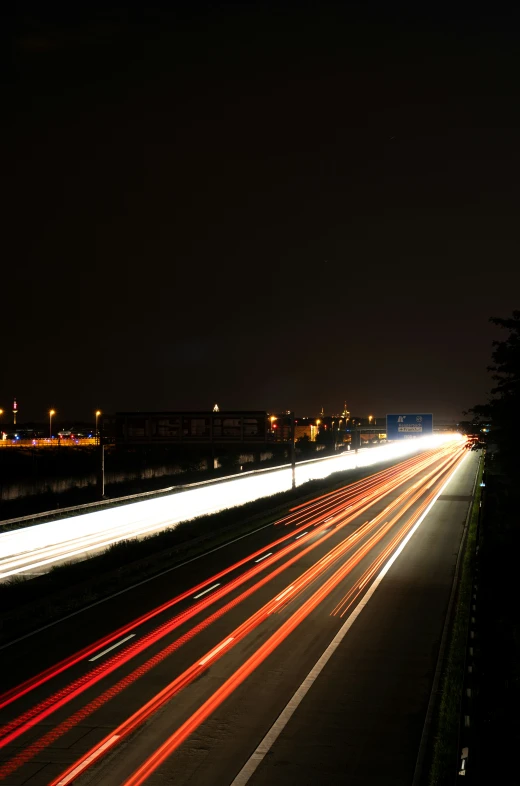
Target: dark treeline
{"type": "Point", "coordinates": [497, 648]}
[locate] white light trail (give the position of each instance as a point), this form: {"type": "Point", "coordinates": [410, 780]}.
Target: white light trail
{"type": "Point", "coordinates": [43, 545]}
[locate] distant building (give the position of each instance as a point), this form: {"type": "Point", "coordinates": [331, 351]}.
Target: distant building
{"type": "Point", "coordinates": [171, 428]}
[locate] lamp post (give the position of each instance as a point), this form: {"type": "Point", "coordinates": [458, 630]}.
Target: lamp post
{"type": "Point", "coordinates": [1, 432]}
{"type": "Point", "coordinates": [51, 413]}
{"type": "Point", "coordinates": [98, 413]}
{"type": "Point", "coordinates": [293, 452]}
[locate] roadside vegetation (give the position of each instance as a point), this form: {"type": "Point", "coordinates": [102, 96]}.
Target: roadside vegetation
{"type": "Point", "coordinates": [447, 722]}
{"type": "Point", "coordinates": [494, 723]}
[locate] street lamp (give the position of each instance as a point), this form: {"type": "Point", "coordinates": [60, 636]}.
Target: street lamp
{"type": "Point", "coordinates": [51, 413]}
{"type": "Point", "coordinates": [98, 413]}
{"type": "Point", "coordinates": [1, 432]}
{"type": "Point", "coordinates": [370, 418]}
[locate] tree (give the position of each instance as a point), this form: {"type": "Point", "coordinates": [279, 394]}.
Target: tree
{"type": "Point", "coordinates": [304, 445]}
{"type": "Point", "coordinates": [503, 408]}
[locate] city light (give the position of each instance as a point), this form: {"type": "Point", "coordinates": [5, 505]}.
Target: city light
{"type": "Point", "coordinates": [51, 413]}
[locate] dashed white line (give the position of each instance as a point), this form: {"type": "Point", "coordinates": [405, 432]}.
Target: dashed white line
{"type": "Point", "coordinates": [301, 536]}
{"type": "Point", "coordinates": [94, 755]}
{"type": "Point", "coordinates": [117, 644]}
{"type": "Point", "coordinates": [204, 592]}
{"type": "Point", "coordinates": [326, 559]}
{"type": "Point", "coordinates": [214, 652]}
{"type": "Point", "coordinates": [285, 592]}
{"type": "Point", "coordinates": [264, 557]}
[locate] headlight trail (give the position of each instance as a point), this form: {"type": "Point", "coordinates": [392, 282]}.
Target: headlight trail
{"type": "Point", "coordinates": [42, 545]}
{"type": "Point", "coordinates": [251, 623]}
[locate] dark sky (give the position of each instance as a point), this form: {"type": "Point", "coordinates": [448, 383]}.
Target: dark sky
{"type": "Point", "coordinates": [258, 205]}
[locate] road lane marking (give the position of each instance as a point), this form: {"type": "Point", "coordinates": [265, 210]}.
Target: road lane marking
{"type": "Point", "coordinates": [326, 559]}
{"type": "Point", "coordinates": [215, 651]}
{"type": "Point", "coordinates": [213, 586]}
{"type": "Point", "coordinates": [301, 536]}
{"type": "Point", "coordinates": [94, 755]}
{"type": "Point", "coordinates": [117, 644]}
{"type": "Point", "coordinates": [329, 519]}
{"type": "Point", "coordinates": [264, 557]}
{"type": "Point", "coordinates": [283, 719]}
{"type": "Point", "coordinates": [285, 592]}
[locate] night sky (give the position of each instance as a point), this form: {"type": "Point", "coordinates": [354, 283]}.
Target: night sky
{"type": "Point", "coordinates": [258, 205]}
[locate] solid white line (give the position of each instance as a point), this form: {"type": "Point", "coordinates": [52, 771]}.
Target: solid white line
{"type": "Point", "coordinates": [264, 557]}
{"type": "Point", "coordinates": [300, 536]}
{"type": "Point", "coordinates": [285, 592]}
{"type": "Point", "coordinates": [94, 755]}
{"type": "Point", "coordinates": [214, 652]}
{"type": "Point", "coordinates": [279, 725]}
{"type": "Point", "coordinates": [213, 586]}
{"type": "Point", "coordinates": [117, 644]}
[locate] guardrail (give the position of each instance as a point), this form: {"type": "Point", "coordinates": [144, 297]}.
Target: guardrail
{"type": "Point", "coordinates": [142, 495]}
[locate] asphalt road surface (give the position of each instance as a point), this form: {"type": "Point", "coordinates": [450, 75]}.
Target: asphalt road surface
{"type": "Point", "coordinates": [182, 686]}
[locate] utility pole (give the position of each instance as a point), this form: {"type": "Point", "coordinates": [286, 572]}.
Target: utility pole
{"type": "Point", "coordinates": [102, 470]}
{"type": "Point", "coordinates": [293, 451]}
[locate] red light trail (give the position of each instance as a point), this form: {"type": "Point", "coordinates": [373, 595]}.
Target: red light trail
{"type": "Point", "coordinates": [289, 594]}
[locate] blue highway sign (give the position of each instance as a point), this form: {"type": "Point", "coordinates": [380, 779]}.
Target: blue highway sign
{"type": "Point", "coordinates": [406, 425]}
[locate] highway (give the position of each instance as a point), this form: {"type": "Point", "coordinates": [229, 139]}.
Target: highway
{"type": "Point", "coordinates": [34, 549]}
{"type": "Point", "coordinates": [179, 682]}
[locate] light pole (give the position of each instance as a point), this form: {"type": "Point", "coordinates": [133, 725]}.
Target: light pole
{"type": "Point", "coordinates": [51, 413]}
{"type": "Point", "coordinates": [293, 451]}
{"type": "Point", "coordinates": [98, 413]}
{"type": "Point", "coordinates": [1, 432]}
{"type": "Point", "coordinates": [102, 472]}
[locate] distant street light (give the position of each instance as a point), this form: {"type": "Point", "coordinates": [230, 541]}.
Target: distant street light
{"type": "Point", "coordinates": [1, 413]}
{"type": "Point", "coordinates": [370, 418]}
{"type": "Point", "coordinates": [51, 413]}
{"type": "Point", "coordinates": [98, 413]}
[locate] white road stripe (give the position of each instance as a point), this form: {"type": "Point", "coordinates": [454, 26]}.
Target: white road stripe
{"type": "Point", "coordinates": [213, 586]}
{"type": "Point", "coordinates": [264, 557]}
{"type": "Point", "coordinates": [285, 592]}
{"type": "Point", "coordinates": [94, 755]}
{"type": "Point", "coordinates": [301, 536]}
{"type": "Point", "coordinates": [326, 559]}
{"type": "Point", "coordinates": [214, 652]}
{"type": "Point", "coordinates": [117, 644]}
{"type": "Point", "coordinates": [279, 725]}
